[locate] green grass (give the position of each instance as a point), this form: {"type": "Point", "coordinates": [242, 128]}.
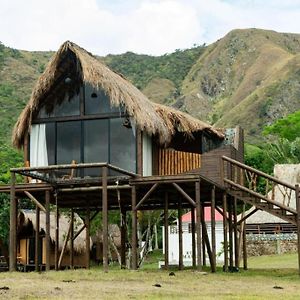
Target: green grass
{"type": "Point", "coordinates": [256, 283]}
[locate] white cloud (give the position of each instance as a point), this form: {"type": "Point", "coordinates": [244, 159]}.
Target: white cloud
{"type": "Point", "coordinates": [144, 26]}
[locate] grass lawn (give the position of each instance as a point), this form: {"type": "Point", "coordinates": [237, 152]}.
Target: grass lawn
{"type": "Point", "coordinates": [258, 282]}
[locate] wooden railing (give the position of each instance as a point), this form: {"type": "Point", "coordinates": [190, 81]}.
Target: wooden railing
{"type": "Point", "coordinates": [259, 184]}
{"type": "Point", "coordinates": [172, 162]}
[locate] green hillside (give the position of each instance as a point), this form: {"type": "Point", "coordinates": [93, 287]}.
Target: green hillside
{"type": "Point", "coordinates": [250, 77]}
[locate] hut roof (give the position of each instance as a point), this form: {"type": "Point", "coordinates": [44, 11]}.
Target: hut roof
{"type": "Point", "coordinates": [29, 216]}
{"type": "Point", "coordinates": [155, 119]}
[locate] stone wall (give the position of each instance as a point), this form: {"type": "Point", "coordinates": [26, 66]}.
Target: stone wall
{"type": "Point", "coordinates": [275, 244]}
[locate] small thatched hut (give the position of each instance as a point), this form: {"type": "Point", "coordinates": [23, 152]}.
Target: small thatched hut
{"type": "Point", "coordinates": [26, 239]}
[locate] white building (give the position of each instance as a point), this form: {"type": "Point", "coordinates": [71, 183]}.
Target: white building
{"type": "Point", "coordinates": [187, 238]}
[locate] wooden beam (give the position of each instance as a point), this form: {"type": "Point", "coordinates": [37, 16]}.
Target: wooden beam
{"type": "Point", "coordinates": [139, 143]}
{"type": "Point", "coordinates": [64, 245]}
{"type": "Point", "coordinates": [184, 194]}
{"type": "Point", "coordinates": [198, 225]}
{"type": "Point", "coordinates": [180, 244]}
{"type": "Point", "coordinates": [123, 237]}
{"type": "Point", "coordinates": [213, 229]}
{"type": "Point", "coordinates": [297, 191]}
{"type": "Point", "coordinates": [203, 227]}
{"type": "Point", "coordinates": [48, 241]}
{"type": "Point", "coordinates": [56, 235]}
{"type": "Point", "coordinates": [147, 195]}
{"type": "Point", "coordinates": [71, 239]}
{"type": "Point", "coordinates": [13, 225]}
{"type": "Point", "coordinates": [235, 231]}
{"type": "Point", "coordinates": [230, 227]}
{"type": "Point", "coordinates": [193, 229]}
{"type": "Point", "coordinates": [245, 258]}
{"type": "Point", "coordinates": [35, 201]}
{"type": "Point", "coordinates": [104, 219]}
{"type": "Point", "coordinates": [225, 228]}
{"type": "Point", "coordinates": [37, 238]}
{"type": "Point", "coordinates": [166, 230]}
{"type": "Point", "coordinates": [206, 241]}
{"type": "Point", "coordinates": [83, 226]}
{"type": "Point", "coordinates": [87, 237]}
{"type": "Point", "coordinates": [243, 219]}
{"type": "Point", "coordinates": [134, 228]}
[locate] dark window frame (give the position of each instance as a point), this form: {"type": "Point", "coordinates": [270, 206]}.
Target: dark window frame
{"type": "Point", "coordinates": [81, 118]}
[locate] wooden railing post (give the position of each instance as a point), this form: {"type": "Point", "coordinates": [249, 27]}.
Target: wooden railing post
{"type": "Point", "coordinates": [105, 219]}
{"type": "Point", "coordinates": [297, 190]}
{"type": "Point", "coordinates": [13, 225]}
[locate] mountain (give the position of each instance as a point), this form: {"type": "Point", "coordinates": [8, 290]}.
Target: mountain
{"type": "Point", "coordinates": [250, 77]}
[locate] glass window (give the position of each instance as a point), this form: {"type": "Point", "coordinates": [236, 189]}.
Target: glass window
{"type": "Point", "coordinates": [68, 107]}
{"type": "Point", "coordinates": [95, 144]}
{"type": "Point", "coordinates": [50, 142]}
{"type": "Point", "coordinates": [122, 145]}
{"type": "Point", "coordinates": [97, 102]}
{"type": "Point", "coordinates": [68, 142]}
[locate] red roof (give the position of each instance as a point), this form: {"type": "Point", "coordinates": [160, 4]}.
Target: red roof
{"type": "Point", "coordinates": [187, 217]}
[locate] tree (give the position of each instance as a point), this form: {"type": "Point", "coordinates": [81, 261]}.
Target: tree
{"type": "Point", "coordinates": [287, 128]}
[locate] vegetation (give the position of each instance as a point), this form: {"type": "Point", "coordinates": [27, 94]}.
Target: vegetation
{"type": "Point", "coordinates": [256, 283]}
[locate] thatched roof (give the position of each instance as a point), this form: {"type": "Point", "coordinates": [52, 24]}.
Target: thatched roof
{"type": "Point", "coordinates": [153, 118]}
{"type": "Point", "coordinates": [28, 216]}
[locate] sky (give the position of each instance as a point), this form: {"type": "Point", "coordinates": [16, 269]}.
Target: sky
{"type": "Point", "coordinates": [151, 27]}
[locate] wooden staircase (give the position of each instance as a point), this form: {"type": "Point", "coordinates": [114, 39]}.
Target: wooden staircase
{"type": "Point", "coordinates": [261, 190]}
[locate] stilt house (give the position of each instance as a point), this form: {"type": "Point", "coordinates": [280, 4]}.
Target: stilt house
{"type": "Point", "coordinates": [93, 142]}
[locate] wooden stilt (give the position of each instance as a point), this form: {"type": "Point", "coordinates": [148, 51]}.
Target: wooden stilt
{"type": "Point", "coordinates": [37, 239]}
{"type": "Point", "coordinates": [180, 244]}
{"type": "Point", "coordinates": [56, 236]}
{"type": "Point", "coordinates": [213, 229]}
{"type": "Point", "coordinates": [123, 238]}
{"type": "Point", "coordinates": [71, 240]}
{"type": "Point", "coordinates": [13, 225]}
{"type": "Point", "coordinates": [205, 239]}
{"type": "Point", "coordinates": [193, 229]}
{"type": "Point", "coordinates": [166, 232]}
{"type": "Point", "coordinates": [230, 227]}
{"type": "Point", "coordinates": [87, 237]}
{"type": "Point", "coordinates": [134, 228]}
{"type": "Point", "coordinates": [225, 228]}
{"type": "Point", "coordinates": [47, 201]}
{"type": "Point", "coordinates": [198, 225]}
{"type": "Point", "coordinates": [235, 234]}
{"type": "Point", "coordinates": [245, 262]}
{"type": "Point", "coordinates": [298, 222]}
{"type": "Point", "coordinates": [105, 219]}
{"type": "Point", "coordinates": [203, 234]}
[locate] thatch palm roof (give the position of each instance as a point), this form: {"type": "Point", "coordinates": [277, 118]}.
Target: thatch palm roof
{"type": "Point", "coordinates": [70, 58]}
{"type": "Point", "coordinates": [27, 216]}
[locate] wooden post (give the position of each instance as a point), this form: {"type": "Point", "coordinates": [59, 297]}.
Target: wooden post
{"type": "Point", "coordinates": [203, 234]}
{"type": "Point", "coordinates": [134, 228]}
{"type": "Point", "coordinates": [166, 228]}
{"type": "Point", "coordinates": [47, 204]}
{"type": "Point", "coordinates": [198, 225]}
{"type": "Point", "coordinates": [13, 225]}
{"type": "Point", "coordinates": [298, 222]}
{"type": "Point", "coordinates": [123, 237]}
{"type": "Point", "coordinates": [193, 229]}
{"type": "Point", "coordinates": [245, 247]}
{"type": "Point", "coordinates": [225, 228]}
{"type": "Point", "coordinates": [56, 236]}
{"type": "Point", "coordinates": [230, 227]}
{"type": "Point", "coordinates": [180, 245]}
{"type": "Point", "coordinates": [37, 238]}
{"type": "Point", "coordinates": [87, 237]}
{"type": "Point", "coordinates": [213, 229]}
{"type": "Point", "coordinates": [71, 240]}
{"type": "Point", "coordinates": [105, 219]}
{"type": "Point", "coordinates": [236, 244]}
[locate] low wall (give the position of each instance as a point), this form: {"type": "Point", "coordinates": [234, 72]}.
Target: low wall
{"type": "Point", "coordinates": [271, 244]}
